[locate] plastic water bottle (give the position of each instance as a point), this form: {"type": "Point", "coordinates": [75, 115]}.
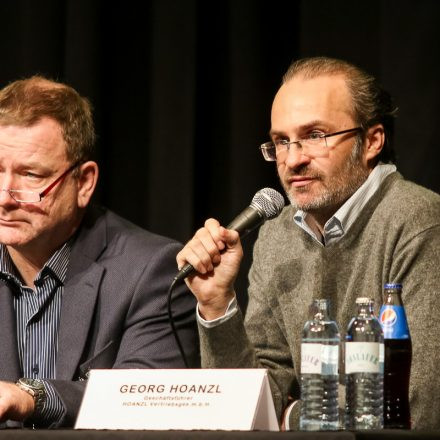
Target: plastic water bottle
{"type": "Point", "coordinates": [398, 355]}
{"type": "Point", "coordinates": [364, 366]}
{"type": "Point", "coordinates": [319, 370]}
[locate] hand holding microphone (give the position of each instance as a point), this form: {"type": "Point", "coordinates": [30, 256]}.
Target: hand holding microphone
{"type": "Point", "coordinates": [215, 253]}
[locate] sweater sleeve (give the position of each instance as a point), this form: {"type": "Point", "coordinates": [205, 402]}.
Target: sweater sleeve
{"type": "Point", "coordinates": [257, 342]}
{"type": "Point", "coordinates": [271, 347]}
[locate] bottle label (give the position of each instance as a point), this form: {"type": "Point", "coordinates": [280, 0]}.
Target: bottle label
{"type": "Point", "coordinates": [319, 359]}
{"type": "Point", "coordinates": [364, 357]}
{"type": "Point", "coordinates": [393, 322]}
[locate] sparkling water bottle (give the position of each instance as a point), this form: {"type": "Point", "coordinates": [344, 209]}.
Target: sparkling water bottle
{"type": "Point", "coordinates": [364, 366]}
{"type": "Point", "coordinates": [398, 355]}
{"type": "Point", "coordinates": [319, 370]}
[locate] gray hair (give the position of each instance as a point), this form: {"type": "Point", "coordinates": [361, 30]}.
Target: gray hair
{"type": "Point", "coordinates": [371, 104]}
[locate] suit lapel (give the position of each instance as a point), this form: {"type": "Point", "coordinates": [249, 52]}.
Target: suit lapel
{"type": "Point", "coordinates": [81, 290]}
{"type": "Point", "coordinates": [9, 361]}
{"type": "Point", "coordinates": [77, 312]}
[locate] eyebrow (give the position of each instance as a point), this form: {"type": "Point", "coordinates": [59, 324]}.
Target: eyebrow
{"type": "Point", "coordinates": [34, 166]}
{"type": "Point", "coordinates": [304, 127]}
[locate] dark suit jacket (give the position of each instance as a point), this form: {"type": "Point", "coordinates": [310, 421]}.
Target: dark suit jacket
{"type": "Point", "coordinates": [114, 308]}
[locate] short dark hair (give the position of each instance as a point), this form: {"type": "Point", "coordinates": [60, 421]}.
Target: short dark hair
{"type": "Point", "coordinates": [25, 102]}
{"type": "Point", "coordinates": [371, 103]}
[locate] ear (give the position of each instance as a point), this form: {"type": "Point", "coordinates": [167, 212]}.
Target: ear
{"type": "Point", "coordinates": [375, 140]}
{"type": "Point", "coordinates": [87, 179]}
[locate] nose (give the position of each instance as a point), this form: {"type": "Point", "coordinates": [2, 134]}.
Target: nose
{"type": "Point", "coordinates": [6, 200]}
{"type": "Point", "coordinates": [6, 183]}
{"type": "Point", "coordinates": [295, 156]}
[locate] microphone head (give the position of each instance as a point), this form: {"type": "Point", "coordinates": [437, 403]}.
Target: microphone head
{"type": "Point", "coordinates": [268, 202]}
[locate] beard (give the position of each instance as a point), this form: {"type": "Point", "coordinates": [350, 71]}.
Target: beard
{"type": "Point", "coordinates": [336, 189]}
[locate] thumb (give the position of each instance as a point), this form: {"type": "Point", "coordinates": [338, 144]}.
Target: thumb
{"type": "Point", "coordinates": [230, 237]}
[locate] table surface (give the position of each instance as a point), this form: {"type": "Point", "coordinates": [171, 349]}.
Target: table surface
{"type": "Point", "coordinates": [71, 434]}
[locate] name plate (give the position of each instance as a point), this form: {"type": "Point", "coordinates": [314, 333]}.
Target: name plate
{"type": "Point", "coordinates": [198, 399]}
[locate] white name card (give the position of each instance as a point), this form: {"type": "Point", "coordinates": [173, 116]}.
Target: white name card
{"type": "Point", "coordinates": [199, 399]}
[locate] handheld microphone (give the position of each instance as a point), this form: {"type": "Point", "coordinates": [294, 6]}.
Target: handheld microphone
{"type": "Point", "coordinates": [266, 204]}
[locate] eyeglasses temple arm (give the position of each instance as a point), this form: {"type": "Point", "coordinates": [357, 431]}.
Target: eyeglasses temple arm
{"type": "Point", "coordinates": [57, 181]}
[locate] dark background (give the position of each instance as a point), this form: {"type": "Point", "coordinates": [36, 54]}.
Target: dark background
{"type": "Point", "coordinates": [182, 89]}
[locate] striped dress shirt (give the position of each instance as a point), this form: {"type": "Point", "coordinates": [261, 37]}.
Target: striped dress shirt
{"type": "Point", "coordinates": [37, 318]}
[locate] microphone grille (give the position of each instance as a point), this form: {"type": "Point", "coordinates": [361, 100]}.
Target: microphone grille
{"type": "Point", "coordinates": [268, 202]}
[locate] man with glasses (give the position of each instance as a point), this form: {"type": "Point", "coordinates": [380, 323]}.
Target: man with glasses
{"type": "Point", "coordinates": [353, 224]}
{"type": "Point", "coordinates": [80, 288]}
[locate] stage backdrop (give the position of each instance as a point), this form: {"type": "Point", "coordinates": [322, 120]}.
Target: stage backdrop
{"type": "Point", "coordinates": [182, 89]}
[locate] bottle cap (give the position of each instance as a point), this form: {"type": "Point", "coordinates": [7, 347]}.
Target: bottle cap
{"type": "Point", "coordinates": [364, 300]}
{"type": "Point", "coordinates": [392, 286]}
{"type": "Point", "coordinates": [321, 302]}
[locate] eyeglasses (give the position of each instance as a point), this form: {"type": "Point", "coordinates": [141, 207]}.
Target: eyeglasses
{"type": "Point", "coordinates": [23, 196]}
{"type": "Point", "coordinates": [314, 143]}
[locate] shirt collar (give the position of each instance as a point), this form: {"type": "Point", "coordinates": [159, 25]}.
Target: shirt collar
{"type": "Point", "coordinates": [338, 225]}
{"type": "Point", "coordinates": [56, 266]}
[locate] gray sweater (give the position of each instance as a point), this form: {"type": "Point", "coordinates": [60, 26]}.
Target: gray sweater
{"type": "Point", "coordinates": [395, 239]}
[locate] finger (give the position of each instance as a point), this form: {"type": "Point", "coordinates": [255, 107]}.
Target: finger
{"type": "Point", "coordinates": [199, 258]}
{"type": "Point", "coordinates": [201, 252]}
{"type": "Point", "coordinates": [188, 256]}
{"type": "Point", "coordinates": [221, 235]}
{"type": "Point", "coordinates": [214, 228]}
{"type": "Point", "coordinates": [211, 241]}
{"type": "Point", "coordinates": [207, 243]}
{"type": "Point", "coordinates": [229, 237]}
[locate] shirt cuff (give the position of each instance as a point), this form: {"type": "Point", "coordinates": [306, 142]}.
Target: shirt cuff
{"type": "Point", "coordinates": [231, 310]}
{"type": "Point", "coordinates": [52, 410]}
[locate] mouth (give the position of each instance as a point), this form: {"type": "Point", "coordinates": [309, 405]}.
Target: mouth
{"type": "Point", "coordinates": [6, 222]}
{"type": "Point", "coordinates": [300, 181]}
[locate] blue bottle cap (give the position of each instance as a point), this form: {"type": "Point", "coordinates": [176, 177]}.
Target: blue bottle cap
{"type": "Point", "coordinates": [392, 286]}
